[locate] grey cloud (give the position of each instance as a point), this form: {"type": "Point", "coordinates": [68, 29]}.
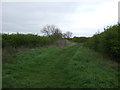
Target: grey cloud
{"type": "Point", "coordinates": [31, 17]}
{"type": "Point", "coordinates": [18, 15]}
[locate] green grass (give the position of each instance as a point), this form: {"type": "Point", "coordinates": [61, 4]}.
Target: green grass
{"type": "Point", "coordinates": [54, 67]}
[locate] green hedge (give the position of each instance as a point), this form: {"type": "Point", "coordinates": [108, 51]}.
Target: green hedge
{"type": "Point", "coordinates": [27, 40]}
{"type": "Point", "coordinates": [107, 42]}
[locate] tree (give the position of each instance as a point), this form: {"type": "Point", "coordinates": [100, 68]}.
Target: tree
{"type": "Point", "coordinates": [68, 34]}
{"type": "Point", "coordinates": [64, 35]}
{"type": "Point", "coordinates": [57, 33]}
{"type": "Point", "coordinates": [52, 30]}
{"type": "Point", "coordinates": [47, 30]}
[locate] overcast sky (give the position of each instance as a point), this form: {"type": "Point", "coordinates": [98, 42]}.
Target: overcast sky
{"type": "Point", "coordinates": [81, 18]}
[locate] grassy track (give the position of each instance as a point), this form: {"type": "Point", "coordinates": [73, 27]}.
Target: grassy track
{"type": "Point", "coordinates": [55, 67]}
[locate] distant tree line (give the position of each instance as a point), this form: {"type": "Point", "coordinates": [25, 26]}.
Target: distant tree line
{"type": "Point", "coordinates": [79, 39]}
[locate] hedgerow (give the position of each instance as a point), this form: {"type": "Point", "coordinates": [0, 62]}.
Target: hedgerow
{"type": "Point", "coordinates": [107, 42]}
{"type": "Point", "coordinates": [26, 40]}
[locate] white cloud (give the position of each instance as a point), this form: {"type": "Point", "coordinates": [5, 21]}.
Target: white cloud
{"type": "Point", "coordinates": [99, 16]}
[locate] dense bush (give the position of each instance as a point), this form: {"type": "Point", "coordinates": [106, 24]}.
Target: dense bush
{"type": "Point", "coordinates": [107, 42]}
{"type": "Point", "coordinates": [26, 40]}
